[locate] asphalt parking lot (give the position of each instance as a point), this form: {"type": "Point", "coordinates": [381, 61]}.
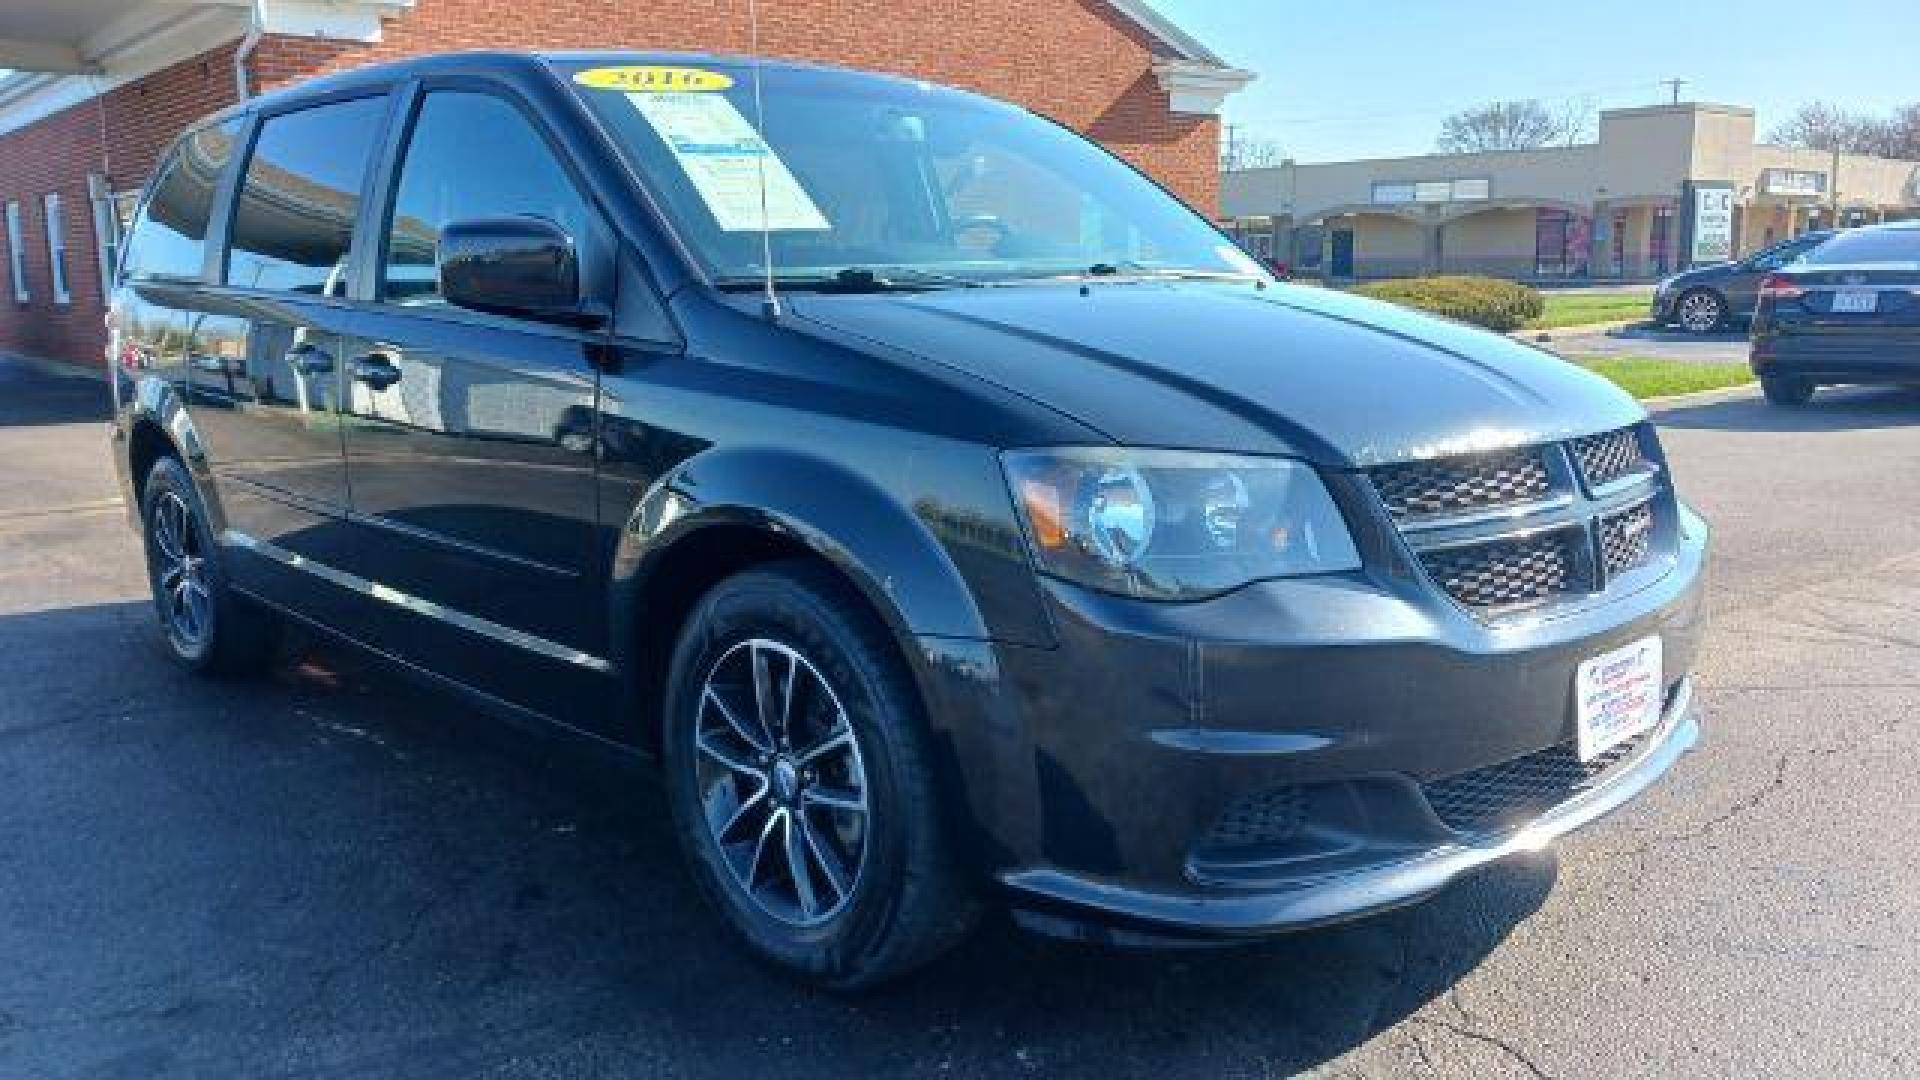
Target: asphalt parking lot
{"type": "Point", "coordinates": [332, 874]}
{"type": "Point", "coordinates": [1642, 339]}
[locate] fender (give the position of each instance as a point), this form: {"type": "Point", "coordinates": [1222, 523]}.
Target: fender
{"type": "Point", "coordinates": [873, 540]}
{"type": "Point", "coordinates": [157, 402]}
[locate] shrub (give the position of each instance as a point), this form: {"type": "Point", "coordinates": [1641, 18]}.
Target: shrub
{"type": "Point", "coordinates": [1490, 302]}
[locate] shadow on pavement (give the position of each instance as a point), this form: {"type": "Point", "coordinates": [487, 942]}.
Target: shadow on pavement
{"type": "Point", "coordinates": [31, 394]}
{"type": "Point", "coordinates": [332, 871]}
{"type": "Point", "coordinates": [1832, 409]}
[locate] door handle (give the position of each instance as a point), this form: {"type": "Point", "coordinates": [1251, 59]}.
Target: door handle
{"type": "Point", "coordinates": [308, 360]}
{"type": "Point", "coordinates": [376, 369]}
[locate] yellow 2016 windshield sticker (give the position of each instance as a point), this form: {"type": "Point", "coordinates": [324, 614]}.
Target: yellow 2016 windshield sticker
{"type": "Point", "coordinates": [654, 79]}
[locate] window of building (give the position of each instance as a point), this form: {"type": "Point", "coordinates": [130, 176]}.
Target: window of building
{"type": "Point", "coordinates": [57, 247]}
{"type": "Point", "coordinates": [17, 255]}
{"type": "Point", "coordinates": [293, 222]}
{"type": "Point", "coordinates": [168, 235]}
{"type": "Point", "coordinates": [438, 184]}
{"type": "Point", "coordinates": [106, 229]}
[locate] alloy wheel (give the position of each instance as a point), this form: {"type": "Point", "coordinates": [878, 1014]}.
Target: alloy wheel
{"type": "Point", "coordinates": [180, 577]}
{"type": "Point", "coordinates": [781, 783]}
{"type": "Point", "coordinates": [1699, 312]}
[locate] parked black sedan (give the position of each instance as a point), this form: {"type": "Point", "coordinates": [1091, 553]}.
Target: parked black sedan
{"type": "Point", "coordinates": [1847, 313]}
{"type": "Point", "coordinates": [1707, 298]}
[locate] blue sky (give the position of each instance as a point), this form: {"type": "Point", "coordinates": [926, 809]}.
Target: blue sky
{"type": "Point", "coordinates": [1374, 79]}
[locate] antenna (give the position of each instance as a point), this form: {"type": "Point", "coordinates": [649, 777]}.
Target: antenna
{"type": "Point", "coordinates": [770, 303]}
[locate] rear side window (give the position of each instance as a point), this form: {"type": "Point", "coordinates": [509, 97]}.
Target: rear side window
{"type": "Point", "coordinates": [439, 183]}
{"type": "Point", "coordinates": [1868, 246]}
{"type": "Point", "coordinates": [293, 221]}
{"type": "Point", "coordinates": [169, 235]}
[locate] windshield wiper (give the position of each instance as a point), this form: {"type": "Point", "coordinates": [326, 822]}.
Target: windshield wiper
{"type": "Point", "coordinates": [1130, 268]}
{"type": "Point", "coordinates": [854, 279]}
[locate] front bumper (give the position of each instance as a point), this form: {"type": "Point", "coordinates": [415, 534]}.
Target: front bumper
{"type": "Point", "coordinates": [1094, 772]}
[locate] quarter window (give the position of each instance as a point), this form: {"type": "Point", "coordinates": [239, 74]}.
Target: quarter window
{"type": "Point", "coordinates": [168, 238]}
{"type": "Point", "coordinates": [57, 247]}
{"type": "Point", "coordinates": [293, 222]}
{"type": "Point", "coordinates": [16, 255]}
{"type": "Point", "coordinates": [439, 184]}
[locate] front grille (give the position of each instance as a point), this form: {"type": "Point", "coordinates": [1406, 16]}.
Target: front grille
{"type": "Point", "coordinates": [1608, 456]}
{"type": "Point", "coordinates": [1506, 796]}
{"type": "Point", "coordinates": [1576, 514]}
{"type": "Point", "coordinates": [1626, 539]}
{"type": "Point", "coordinates": [1462, 484]}
{"type": "Point", "coordinates": [1265, 817]}
{"type": "Point", "coordinates": [1505, 573]}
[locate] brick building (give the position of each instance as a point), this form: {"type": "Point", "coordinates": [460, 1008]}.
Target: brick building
{"type": "Point", "coordinates": [97, 88]}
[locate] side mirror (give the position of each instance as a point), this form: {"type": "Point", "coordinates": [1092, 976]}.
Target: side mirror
{"type": "Point", "coordinates": [524, 267]}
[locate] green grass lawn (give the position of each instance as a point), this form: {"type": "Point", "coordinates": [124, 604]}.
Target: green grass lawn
{"type": "Point", "coordinates": [1647, 376]}
{"type": "Point", "coordinates": [1579, 309]}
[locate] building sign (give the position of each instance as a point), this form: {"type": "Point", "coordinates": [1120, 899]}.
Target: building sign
{"type": "Point", "coordinates": [1711, 225]}
{"type": "Point", "coordinates": [1475, 189]}
{"type": "Point", "coordinates": [1792, 182]}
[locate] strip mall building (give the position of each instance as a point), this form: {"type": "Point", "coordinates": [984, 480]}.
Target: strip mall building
{"type": "Point", "coordinates": [1663, 187]}
{"type": "Point", "coordinates": [97, 89]}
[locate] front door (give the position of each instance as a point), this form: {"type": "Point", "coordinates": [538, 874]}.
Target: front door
{"type": "Point", "coordinates": [264, 344]}
{"type": "Point", "coordinates": [1340, 259]}
{"type": "Point", "coordinates": [471, 438]}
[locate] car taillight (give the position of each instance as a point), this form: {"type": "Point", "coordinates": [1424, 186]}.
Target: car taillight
{"type": "Point", "coordinates": [1780, 287]}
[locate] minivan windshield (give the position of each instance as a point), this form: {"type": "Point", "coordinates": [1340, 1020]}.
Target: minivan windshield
{"type": "Point", "coordinates": [866, 179]}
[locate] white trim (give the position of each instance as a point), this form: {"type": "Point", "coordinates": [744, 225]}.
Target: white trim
{"type": "Point", "coordinates": [1198, 89]}
{"type": "Point", "coordinates": [17, 256]}
{"type": "Point", "coordinates": [56, 223]}
{"type": "Point", "coordinates": [160, 33]}
{"type": "Point", "coordinates": [106, 230]}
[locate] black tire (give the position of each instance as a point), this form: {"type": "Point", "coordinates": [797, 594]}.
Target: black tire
{"type": "Point", "coordinates": [1700, 311]}
{"type": "Point", "coordinates": [1790, 390]}
{"type": "Point", "coordinates": [907, 899]}
{"type": "Point", "coordinates": [220, 632]}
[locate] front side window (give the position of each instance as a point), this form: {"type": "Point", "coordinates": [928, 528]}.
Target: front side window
{"type": "Point", "coordinates": [57, 248]}
{"type": "Point", "coordinates": [855, 171]}
{"type": "Point", "coordinates": [439, 184]}
{"type": "Point", "coordinates": [16, 255]}
{"type": "Point", "coordinates": [168, 237]}
{"type": "Point", "coordinates": [293, 221]}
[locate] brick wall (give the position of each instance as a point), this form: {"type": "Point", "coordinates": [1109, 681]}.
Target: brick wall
{"type": "Point", "coordinates": [1074, 60]}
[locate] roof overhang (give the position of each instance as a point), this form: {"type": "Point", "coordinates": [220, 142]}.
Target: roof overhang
{"type": "Point", "coordinates": [57, 53]}
{"type": "Point", "coordinates": [1196, 80]}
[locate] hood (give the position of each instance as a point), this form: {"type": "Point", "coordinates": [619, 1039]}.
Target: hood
{"type": "Point", "coordinates": [1334, 378]}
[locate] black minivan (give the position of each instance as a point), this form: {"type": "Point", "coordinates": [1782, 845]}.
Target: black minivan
{"type": "Point", "coordinates": [956, 516]}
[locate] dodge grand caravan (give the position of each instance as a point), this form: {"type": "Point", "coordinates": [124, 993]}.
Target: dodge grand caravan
{"type": "Point", "coordinates": [954, 515]}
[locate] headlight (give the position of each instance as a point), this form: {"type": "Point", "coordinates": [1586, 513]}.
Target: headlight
{"type": "Point", "coordinates": [1169, 524]}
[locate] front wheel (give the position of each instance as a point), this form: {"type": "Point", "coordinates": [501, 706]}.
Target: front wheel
{"type": "Point", "coordinates": [1792, 390]}
{"type": "Point", "coordinates": [801, 786]}
{"type": "Point", "coordinates": [1701, 311]}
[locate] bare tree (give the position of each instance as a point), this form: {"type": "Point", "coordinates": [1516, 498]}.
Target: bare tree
{"type": "Point", "coordinates": [1501, 125]}
{"type": "Point", "coordinates": [1576, 116]}
{"type": "Point", "coordinates": [1902, 138]}
{"type": "Point", "coordinates": [1239, 152]}
{"type": "Point", "coordinates": [1820, 126]}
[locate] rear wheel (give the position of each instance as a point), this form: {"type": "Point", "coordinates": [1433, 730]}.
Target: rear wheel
{"type": "Point", "coordinates": [1701, 311]}
{"type": "Point", "coordinates": [210, 628]}
{"type": "Point", "coordinates": [801, 785]}
{"type": "Point", "coordinates": [1787, 389]}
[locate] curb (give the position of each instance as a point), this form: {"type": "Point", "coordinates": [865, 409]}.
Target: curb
{"type": "Point", "coordinates": [1742, 390]}
{"type": "Point", "coordinates": [1582, 330]}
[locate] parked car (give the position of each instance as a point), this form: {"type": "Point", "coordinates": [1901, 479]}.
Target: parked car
{"type": "Point", "coordinates": [1847, 313]}
{"type": "Point", "coordinates": [1707, 298]}
{"type": "Point", "coordinates": [983, 528]}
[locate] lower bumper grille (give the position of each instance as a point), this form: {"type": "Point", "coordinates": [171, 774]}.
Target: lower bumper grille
{"type": "Point", "coordinates": [1503, 797]}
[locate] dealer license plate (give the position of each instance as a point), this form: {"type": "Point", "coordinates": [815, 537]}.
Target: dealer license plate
{"type": "Point", "coordinates": [1855, 300]}
{"type": "Point", "coordinates": [1617, 695]}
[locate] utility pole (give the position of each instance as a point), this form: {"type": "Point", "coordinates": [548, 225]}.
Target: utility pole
{"type": "Point", "coordinates": [1674, 85]}
{"type": "Point", "coordinates": [1833, 188]}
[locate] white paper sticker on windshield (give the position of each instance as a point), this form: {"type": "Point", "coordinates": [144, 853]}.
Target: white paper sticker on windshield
{"type": "Point", "coordinates": [725, 158]}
